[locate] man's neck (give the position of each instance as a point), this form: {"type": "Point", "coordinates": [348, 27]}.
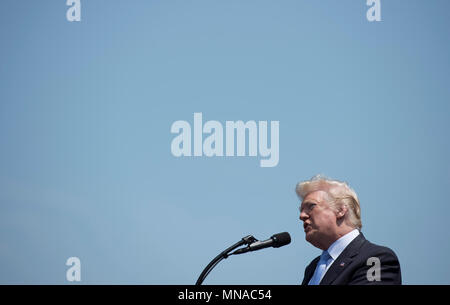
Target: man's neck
{"type": "Point", "coordinates": [343, 231]}
{"type": "Point", "coordinates": [339, 233]}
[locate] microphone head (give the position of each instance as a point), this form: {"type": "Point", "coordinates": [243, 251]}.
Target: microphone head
{"type": "Point", "coordinates": [281, 239]}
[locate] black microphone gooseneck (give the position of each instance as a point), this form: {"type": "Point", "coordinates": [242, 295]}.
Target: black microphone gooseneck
{"type": "Point", "coordinates": [276, 241]}
{"type": "Point", "coordinates": [244, 241]}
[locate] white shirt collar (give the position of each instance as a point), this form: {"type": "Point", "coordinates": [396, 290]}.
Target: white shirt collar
{"type": "Point", "coordinates": [339, 245]}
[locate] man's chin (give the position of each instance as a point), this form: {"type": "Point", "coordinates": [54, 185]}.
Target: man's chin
{"type": "Point", "coordinates": [309, 236]}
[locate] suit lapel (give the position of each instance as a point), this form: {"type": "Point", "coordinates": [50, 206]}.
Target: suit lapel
{"type": "Point", "coordinates": [343, 260]}
{"type": "Point", "coordinates": [309, 272]}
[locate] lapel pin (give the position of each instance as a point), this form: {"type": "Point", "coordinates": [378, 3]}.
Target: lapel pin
{"type": "Point", "coordinates": [342, 264]}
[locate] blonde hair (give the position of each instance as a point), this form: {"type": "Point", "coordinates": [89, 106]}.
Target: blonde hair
{"type": "Point", "coordinates": [340, 194]}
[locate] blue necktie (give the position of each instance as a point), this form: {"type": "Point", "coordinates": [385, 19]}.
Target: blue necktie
{"type": "Point", "coordinates": [320, 269]}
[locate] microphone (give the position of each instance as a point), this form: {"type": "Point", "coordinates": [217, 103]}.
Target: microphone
{"type": "Point", "coordinates": [276, 241]}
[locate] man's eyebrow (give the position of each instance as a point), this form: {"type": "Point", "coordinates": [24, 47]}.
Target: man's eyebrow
{"type": "Point", "coordinates": [307, 203]}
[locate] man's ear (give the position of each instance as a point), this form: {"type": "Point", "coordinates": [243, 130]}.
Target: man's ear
{"type": "Point", "coordinates": [341, 212]}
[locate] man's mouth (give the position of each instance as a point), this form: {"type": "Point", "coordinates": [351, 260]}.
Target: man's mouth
{"type": "Point", "coordinates": [306, 226]}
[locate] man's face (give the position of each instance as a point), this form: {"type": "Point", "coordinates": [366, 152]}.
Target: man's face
{"type": "Point", "coordinates": [319, 220]}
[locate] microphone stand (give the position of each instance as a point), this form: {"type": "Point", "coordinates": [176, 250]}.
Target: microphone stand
{"type": "Point", "coordinates": [246, 240]}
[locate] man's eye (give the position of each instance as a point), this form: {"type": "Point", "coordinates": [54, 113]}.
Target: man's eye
{"type": "Point", "coordinates": [311, 207]}
{"type": "Point", "coordinates": [308, 207]}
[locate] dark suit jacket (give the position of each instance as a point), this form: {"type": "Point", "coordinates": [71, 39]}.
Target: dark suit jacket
{"type": "Point", "coordinates": [351, 267]}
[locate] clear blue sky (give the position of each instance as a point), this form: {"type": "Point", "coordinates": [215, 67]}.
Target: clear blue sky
{"type": "Point", "coordinates": [86, 108]}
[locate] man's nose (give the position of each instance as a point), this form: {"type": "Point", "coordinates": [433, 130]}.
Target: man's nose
{"type": "Point", "coordinates": [303, 216]}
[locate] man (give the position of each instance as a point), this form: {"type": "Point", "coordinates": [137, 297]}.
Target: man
{"type": "Point", "coordinates": [331, 218]}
